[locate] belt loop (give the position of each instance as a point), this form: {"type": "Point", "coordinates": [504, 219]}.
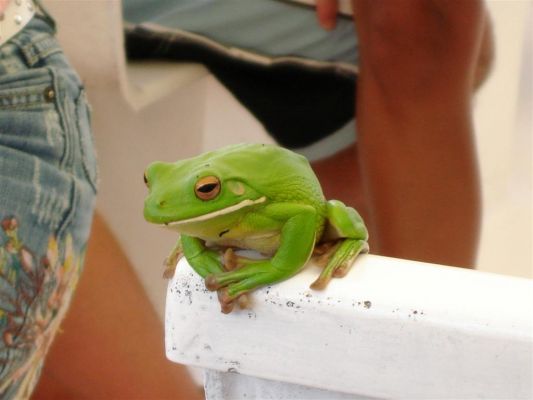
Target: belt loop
{"type": "Point", "coordinates": [34, 49]}
{"type": "Point", "coordinates": [46, 15]}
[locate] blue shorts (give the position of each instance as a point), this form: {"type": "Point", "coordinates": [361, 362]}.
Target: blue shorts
{"type": "Point", "coordinates": [47, 192]}
{"type": "Point", "coordinates": [297, 79]}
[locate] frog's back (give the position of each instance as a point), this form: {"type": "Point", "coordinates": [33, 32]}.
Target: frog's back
{"type": "Point", "coordinates": [278, 173]}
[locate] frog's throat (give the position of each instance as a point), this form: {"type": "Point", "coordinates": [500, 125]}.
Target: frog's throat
{"type": "Point", "coordinates": [214, 214]}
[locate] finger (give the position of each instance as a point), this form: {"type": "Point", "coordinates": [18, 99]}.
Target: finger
{"type": "Point", "coordinates": [326, 11]}
{"type": "Point", "coordinates": [3, 5]}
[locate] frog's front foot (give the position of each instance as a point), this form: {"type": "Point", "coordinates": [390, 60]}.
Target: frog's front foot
{"type": "Point", "coordinates": [170, 265]}
{"type": "Point", "coordinates": [234, 285]}
{"type": "Point", "coordinates": [212, 283]}
{"type": "Point", "coordinates": [227, 302]}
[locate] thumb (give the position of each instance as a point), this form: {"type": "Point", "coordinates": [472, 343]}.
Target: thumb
{"type": "Point", "coordinates": [326, 12]}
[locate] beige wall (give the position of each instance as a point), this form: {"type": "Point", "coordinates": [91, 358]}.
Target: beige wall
{"type": "Point", "coordinates": [202, 115]}
{"type": "Point", "coordinates": [504, 145]}
{"type": "Point", "coordinates": [503, 128]}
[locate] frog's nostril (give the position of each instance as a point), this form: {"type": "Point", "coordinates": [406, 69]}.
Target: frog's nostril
{"type": "Point", "coordinates": [162, 203]}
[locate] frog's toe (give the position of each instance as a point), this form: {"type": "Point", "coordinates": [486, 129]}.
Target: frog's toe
{"type": "Point", "coordinates": [212, 283]}
{"type": "Point", "coordinates": [342, 270]}
{"type": "Point", "coordinates": [230, 259]}
{"type": "Point", "coordinates": [320, 283]}
{"type": "Point", "coordinates": [170, 264]}
{"type": "Point", "coordinates": [172, 260]}
{"type": "Point", "coordinates": [340, 262]}
{"type": "Point", "coordinates": [244, 301]}
{"type": "Point", "coordinates": [226, 308]}
{"type": "Point", "coordinates": [168, 273]}
{"type": "Point", "coordinates": [226, 301]}
{"type": "Point", "coordinates": [234, 261]}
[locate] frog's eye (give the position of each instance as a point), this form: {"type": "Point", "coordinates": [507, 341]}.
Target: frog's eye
{"type": "Point", "coordinates": [207, 188]}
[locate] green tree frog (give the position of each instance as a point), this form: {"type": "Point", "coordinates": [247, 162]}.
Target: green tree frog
{"type": "Point", "coordinates": [251, 196]}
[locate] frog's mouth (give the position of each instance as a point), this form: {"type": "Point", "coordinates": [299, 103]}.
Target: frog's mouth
{"type": "Point", "coordinates": [217, 213]}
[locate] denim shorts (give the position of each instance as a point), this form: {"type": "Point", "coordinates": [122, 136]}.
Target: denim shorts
{"type": "Point", "coordinates": [48, 181]}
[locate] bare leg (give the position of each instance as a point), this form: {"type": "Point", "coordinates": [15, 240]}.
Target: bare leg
{"type": "Point", "coordinates": [340, 177]}
{"type": "Point", "coordinates": [112, 341]}
{"type": "Point", "coordinates": [421, 60]}
{"type": "Point", "coordinates": [418, 161]}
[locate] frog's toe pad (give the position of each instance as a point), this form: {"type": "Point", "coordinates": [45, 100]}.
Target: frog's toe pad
{"type": "Point", "coordinates": [320, 283]}
{"type": "Point", "coordinates": [342, 270]}
{"type": "Point", "coordinates": [230, 260]}
{"type": "Point", "coordinates": [226, 301]}
{"type": "Point", "coordinates": [211, 283]}
{"type": "Point", "coordinates": [244, 301]}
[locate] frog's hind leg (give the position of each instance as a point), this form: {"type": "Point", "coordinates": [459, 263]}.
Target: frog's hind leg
{"type": "Point", "coordinates": [323, 251]}
{"type": "Point", "coordinates": [346, 227]}
{"type": "Point", "coordinates": [340, 261]}
{"type": "Point", "coordinates": [172, 260]}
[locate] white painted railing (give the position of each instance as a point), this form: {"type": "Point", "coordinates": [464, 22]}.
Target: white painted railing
{"type": "Point", "coordinates": [390, 329]}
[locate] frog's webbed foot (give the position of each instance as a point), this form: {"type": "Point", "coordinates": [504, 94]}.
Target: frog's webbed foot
{"type": "Point", "coordinates": [227, 302]}
{"type": "Point", "coordinates": [340, 261]}
{"type": "Point", "coordinates": [233, 286]}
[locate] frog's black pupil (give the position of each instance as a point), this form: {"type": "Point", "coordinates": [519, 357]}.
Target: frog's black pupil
{"type": "Point", "coordinates": [208, 187]}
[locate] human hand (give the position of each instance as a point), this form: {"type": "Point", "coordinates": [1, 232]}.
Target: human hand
{"type": "Point", "coordinates": [326, 12]}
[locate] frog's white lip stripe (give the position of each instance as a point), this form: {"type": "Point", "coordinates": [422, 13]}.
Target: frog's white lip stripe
{"type": "Point", "coordinates": [224, 211]}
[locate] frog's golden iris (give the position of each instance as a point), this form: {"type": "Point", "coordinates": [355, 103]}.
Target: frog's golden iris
{"type": "Point", "coordinates": [207, 188]}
